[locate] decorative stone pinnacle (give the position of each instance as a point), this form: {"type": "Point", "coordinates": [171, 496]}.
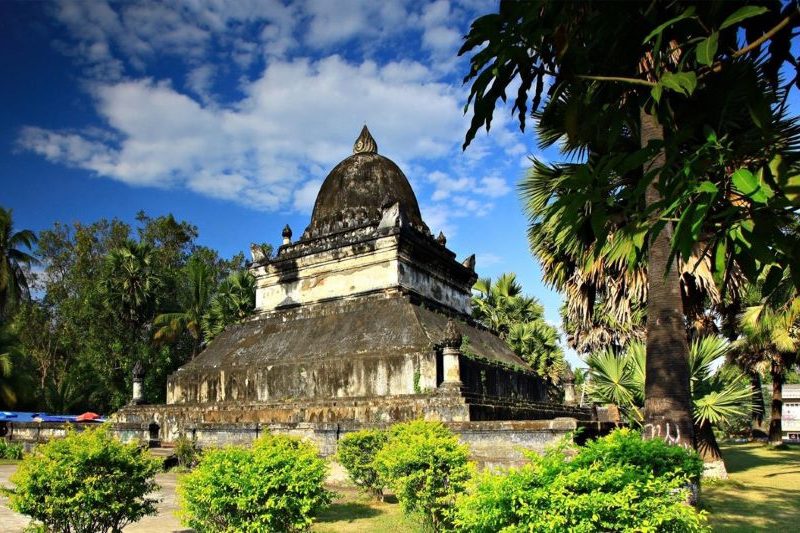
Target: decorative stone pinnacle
{"type": "Point", "coordinates": [452, 337]}
{"type": "Point", "coordinates": [287, 232]}
{"type": "Point", "coordinates": [138, 370]}
{"type": "Point", "coordinates": [365, 144]}
{"type": "Point", "coordinates": [441, 239]}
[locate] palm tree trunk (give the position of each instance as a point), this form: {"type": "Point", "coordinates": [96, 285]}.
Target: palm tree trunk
{"type": "Point", "coordinates": [775, 427]}
{"type": "Point", "coordinates": [707, 447]}
{"type": "Point", "coordinates": [668, 402]}
{"type": "Point", "coordinates": [757, 413]}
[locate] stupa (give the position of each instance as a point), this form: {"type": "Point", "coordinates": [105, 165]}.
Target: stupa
{"type": "Point", "coordinates": [365, 319]}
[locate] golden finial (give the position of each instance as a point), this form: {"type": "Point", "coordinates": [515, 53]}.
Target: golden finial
{"type": "Point", "coordinates": [365, 144]}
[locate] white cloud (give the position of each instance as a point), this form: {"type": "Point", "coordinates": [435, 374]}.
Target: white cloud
{"type": "Point", "coordinates": [306, 195]}
{"type": "Point", "coordinates": [298, 117]}
{"type": "Point", "coordinates": [297, 107]}
{"type": "Point", "coordinates": [493, 187]}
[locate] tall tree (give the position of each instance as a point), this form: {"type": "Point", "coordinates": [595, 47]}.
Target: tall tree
{"type": "Point", "coordinates": [13, 261]}
{"type": "Point", "coordinates": [635, 80]}
{"type": "Point", "coordinates": [197, 288]}
{"type": "Point", "coordinates": [771, 338]}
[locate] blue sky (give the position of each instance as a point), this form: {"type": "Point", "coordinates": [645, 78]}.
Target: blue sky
{"type": "Point", "coordinates": [230, 114]}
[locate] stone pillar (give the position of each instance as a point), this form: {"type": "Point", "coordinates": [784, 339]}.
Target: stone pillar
{"type": "Point", "coordinates": [451, 353]}
{"type": "Point", "coordinates": [569, 387]}
{"type": "Point", "coordinates": [138, 377]}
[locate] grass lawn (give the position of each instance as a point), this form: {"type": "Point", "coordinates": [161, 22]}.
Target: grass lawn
{"type": "Point", "coordinates": [353, 512]}
{"type": "Point", "coordinates": [762, 492]}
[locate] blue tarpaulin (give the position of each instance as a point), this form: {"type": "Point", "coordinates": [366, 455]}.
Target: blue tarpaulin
{"type": "Point", "coordinates": [19, 416]}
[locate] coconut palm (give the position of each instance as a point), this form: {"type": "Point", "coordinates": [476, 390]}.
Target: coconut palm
{"type": "Point", "coordinates": [619, 378]}
{"type": "Point", "coordinates": [195, 297]}
{"type": "Point", "coordinates": [234, 300]}
{"type": "Point", "coordinates": [519, 320]}
{"type": "Point", "coordinates": [13, 260]}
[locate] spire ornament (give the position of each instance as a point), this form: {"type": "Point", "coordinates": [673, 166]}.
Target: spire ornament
{"type": "Point", "coordinates": [365, 144]}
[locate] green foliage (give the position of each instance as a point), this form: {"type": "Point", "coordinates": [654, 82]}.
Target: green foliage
{"type": "Point", "coordinates": [103, 286]}
{"type": "Point", "coordinates": [357, 452]}
{"type": "Point", "coordinates": [426, 467]}
{"type": "Point", "coordinates": [10, 450]}
{"type": "Point", "coordinates": [234, 300]}
{"type": "Point", "coordinates": [187, 452]}
{"type": "Point", "coordinates": [275, 486]}
{"type": "Point", "coordinates": [86, 482]}
{"type": "Point", "coordinates": [14, 284]}
{"type": "Point", "coordinates": [716, 396]}
{"type": "Point", "coordinates": [617, 483]}
{"type": "Point", "coordinates": [519, 319]}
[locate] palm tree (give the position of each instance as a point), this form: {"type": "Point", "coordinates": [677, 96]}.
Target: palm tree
{"type": "Point", "coordinates": [235, 300]}
{"type": "Point", "coordinates": [625, 89]}
{"type": "Point", "coordinates": [771, 338]}
{"type": "Point", "coordinates": [620, 378]}
{"type": "Point", "coordinates": [537, 343]}
{"type": "Point", "coordinates": [131, 282]}
{"type": "Point", "coordinates": [13, 283]}
{"type": "Point", "coordinates": [9, 347]}
{"type": "Point", "coordinates": [500, 304]}
{"type": "Point", "coordinates": [519, 320]}
{"type": "Point", "coordinates": [199, 285]}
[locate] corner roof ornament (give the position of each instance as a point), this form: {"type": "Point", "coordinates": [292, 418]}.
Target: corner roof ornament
{"type": "Point", "coordinates": [365, 144]}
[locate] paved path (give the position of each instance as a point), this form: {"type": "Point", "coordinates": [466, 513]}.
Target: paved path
{"type": "Point", "coordinates": [164, 522]}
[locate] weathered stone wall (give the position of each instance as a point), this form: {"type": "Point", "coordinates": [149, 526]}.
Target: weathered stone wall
{"type": "Point", "coordinates": [365, 375]}
{"type": "Point", "coordinates": [393, 259]}
{"type": "Point", "coordinates": [493, 444]}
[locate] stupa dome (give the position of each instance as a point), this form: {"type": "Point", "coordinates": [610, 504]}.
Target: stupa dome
{"type": "Point", "coordinates": [358, 188]}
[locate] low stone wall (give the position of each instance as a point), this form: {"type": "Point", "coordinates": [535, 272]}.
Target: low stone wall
{"type": "Point", "coordinates": [493, 444]}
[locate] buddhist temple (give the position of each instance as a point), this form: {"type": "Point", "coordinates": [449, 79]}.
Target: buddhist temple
{"type": "Point", "coordinates": [364, 319]}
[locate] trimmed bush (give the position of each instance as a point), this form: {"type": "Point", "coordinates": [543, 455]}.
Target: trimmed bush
{"type": "Point", "coordinates": [85, 482]}
{"type": "Point", "coordinates": [10, 450]}
{"type": "Point", "coordinates": [186, 452]}
{"type": "Point", "coordinates": [277, 485]}
{"type": "Point", "coordinates": [616, 483]}
{"type": "Point", "coordinates": [357, 452]}
{"type": "Point", "coordinates": [426, 467]}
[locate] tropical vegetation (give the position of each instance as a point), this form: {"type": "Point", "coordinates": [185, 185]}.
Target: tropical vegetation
{"type": "Point", "coordinates": [620, 482]}
{"type": "Point", "coordinates": [718, 395]}
{"type": "Point", "coordinates": [684, 158]}
{"type": "Point", "coordinates": [110, 295]}
{"type": "Point", "coordinates": [519, 319]}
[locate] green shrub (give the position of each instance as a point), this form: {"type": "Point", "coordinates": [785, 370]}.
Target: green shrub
{"type": "Point", "coordinates": [85, 482]}
{"type": "Point", "coordinates": [275, 486]}
{"type": "Point", "coordinates": [605, 487]}
{"type": "Point", "coordinates": [186, 452]}
{"type": "Point", "coordinates": [426, 467]}
{"type": "Point", "coordinates": [10, 450]}
{"type": "Point", "coordinates": [357, 452]}
{"type": "Point", "coordinates": [654, 456]}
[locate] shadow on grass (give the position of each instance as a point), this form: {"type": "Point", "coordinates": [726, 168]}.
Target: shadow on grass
{"type": "Point", "coordinates": [741, 458]}
{"type": "Point", "coordinates": [735, 509]}
{"type": "Point", "coordinates": [347, 512]}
